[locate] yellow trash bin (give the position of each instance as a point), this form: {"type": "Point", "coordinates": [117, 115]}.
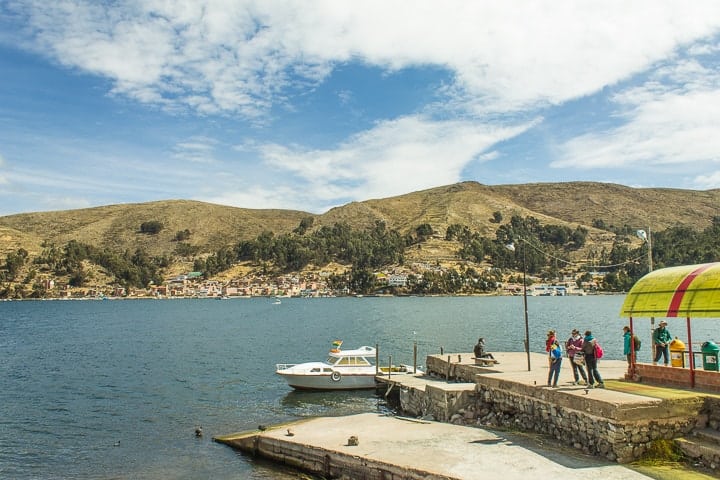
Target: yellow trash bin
{"type": "Point", "coordinates": [677, 353]}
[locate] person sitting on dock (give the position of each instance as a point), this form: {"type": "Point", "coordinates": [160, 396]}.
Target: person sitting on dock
{"type": "Point", "coordinates": [479, 350]}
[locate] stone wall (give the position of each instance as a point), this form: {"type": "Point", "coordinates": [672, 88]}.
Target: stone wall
{"type": "Point", "coordinates": [436, 403]}
{"type": "Point", "coordinates": [456, 367]}
{"type": "Point", "coordinates": [711, 413]}
{"type": "Point", "coordinates": [704, 447]}
{"type": "Point", "coordinates": [617, 440]}
{"type": "Point", "coordinates": [618, 433]}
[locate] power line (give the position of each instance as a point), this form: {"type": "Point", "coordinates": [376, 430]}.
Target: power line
{"type": "Point", "coordinates": [586, 263]}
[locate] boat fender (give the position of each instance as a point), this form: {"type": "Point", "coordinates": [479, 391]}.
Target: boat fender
{"type": "Point", "coordinates": [335, 376]}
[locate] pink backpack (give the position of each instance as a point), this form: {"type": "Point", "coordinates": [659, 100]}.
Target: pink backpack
{"type": "Point", "coordinates": [598, 350]}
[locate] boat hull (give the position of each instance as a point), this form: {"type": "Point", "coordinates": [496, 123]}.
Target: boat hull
{"type": "Point", "coordinates": [335, 381]}
{"type": "Point", "coordinates": [344, 370]}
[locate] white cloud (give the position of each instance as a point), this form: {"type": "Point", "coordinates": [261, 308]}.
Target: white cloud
{"type": "Point", "coordinates": [670, 122]}
{"type": "Point", "coordinates": [241, 56]}
{"type": "Point", "coordinates": [507, 60]}
{"type": "Point", "coordinates": [673, 129]}
{"type": "Point", "coordinates": [708, 180]}
{"type": "Point", "coordinates": [266, 196]}
{"type": "Point", "coordinates": [54, 202]}
{"type": "Point", "coordinates": [392, 158]}
{"type": "Point", "coordinates": [196, 149]}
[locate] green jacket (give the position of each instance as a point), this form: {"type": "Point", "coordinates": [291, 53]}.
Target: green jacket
{"type": "Point", "coordinates": [627, 340]}
{"type": "Point", "coordinates": [661, 335]}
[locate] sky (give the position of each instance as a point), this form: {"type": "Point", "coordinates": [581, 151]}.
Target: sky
{"type": "Point", "coordinates": [308, 105]}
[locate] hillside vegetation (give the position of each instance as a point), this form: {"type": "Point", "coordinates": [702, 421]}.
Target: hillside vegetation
{"type": "Point", "coordinates": [469, 203]}
{"type": "Point", "coordinates": [117, 227]}
{"type": "Point", "coordinates": [167, 237]}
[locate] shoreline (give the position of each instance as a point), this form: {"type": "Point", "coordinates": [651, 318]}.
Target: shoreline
{"type": "Point", "coordinates": [249, 297]}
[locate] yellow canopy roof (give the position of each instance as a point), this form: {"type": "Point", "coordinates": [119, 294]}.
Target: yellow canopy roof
{"type": "Point", "coordinates": [686, 291]}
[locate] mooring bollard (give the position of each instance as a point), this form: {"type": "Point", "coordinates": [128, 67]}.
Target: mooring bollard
{"type": "Point", "coordinates": [442, 350]}
{"type": "Point", "coordinates": [414, 357]}
{"type": "Point", "coordinates": [377, 359]}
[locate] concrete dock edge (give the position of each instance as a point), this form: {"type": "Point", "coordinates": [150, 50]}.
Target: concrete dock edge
{"type": "Point", "coordinates": [392, 448]}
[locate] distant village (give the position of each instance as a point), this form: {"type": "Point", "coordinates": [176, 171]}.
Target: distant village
{"type": "Point", "coordinates": [305, 284]}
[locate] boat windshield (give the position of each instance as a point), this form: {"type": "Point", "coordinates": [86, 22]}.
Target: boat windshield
{"type": "Point", "coordinates": [348, 361]}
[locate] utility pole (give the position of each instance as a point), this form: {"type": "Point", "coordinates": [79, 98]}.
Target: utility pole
{"type": "Point", "coordinates": [652, 319]}
{"type": "Point", "coordinates": [511, 247]}
{"type": "Point", "coordinates": [527, 327]}
{"type": "Point", "coordinates": [649, 243]}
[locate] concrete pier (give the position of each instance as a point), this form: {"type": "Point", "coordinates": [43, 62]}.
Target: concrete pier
{"type": "Point", "coordinates": [619, 422]}
{"type": "Point", "coordinates": [398, 448]}
{"type": "Point", "coordinates": [456, 401]}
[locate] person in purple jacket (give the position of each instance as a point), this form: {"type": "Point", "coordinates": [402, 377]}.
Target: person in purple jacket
{"type": "Point", "coordinates": [573, 346]}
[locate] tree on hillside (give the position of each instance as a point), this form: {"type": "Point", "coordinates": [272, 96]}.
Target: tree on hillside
{"type": "Point", "coordinates": [424, 231]}
{"type": "Point", "coordinates": [474, 249]}
{"type": "Point", "coordinates": [51, 257]}
{"type": "Point", "coordinates": [186, 250]}
{"type": "Point", "coordinates": [151, 228]}
{"type": "Point", "coordinates": [362, 281]}
{"type": "Point", "coordinates": [14, 262]}
{"type": "Point", "coordinates": [78, 277]}
{"type": "Point", "coordinates": [180, 235]}
{"type": "Point", "coordinates": [578, 236]}
{"type": "Point", "coordinates": [457, 232]}
{"type": "Point", "coordinates": [305, 224]}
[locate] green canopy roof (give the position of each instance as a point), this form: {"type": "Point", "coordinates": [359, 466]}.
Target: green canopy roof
{"type": "Point", "coordinates": [686, 291]}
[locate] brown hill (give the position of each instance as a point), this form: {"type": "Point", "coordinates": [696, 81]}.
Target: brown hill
{"type": "Point", "coordinates": [468, 203]}
{"type": "Point", "coordinates": [118, 226]}
{"type": "Point", "coordinates": [571, 203]}
{"type": "Point", "coordinates": [583, 202]}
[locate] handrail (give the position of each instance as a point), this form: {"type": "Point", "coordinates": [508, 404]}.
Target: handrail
{"type": "Point", "coordinates": [284, 366]}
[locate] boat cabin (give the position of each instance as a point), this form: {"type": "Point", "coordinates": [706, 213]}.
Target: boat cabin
{"type": "Point", "coordinates": [348, 361]}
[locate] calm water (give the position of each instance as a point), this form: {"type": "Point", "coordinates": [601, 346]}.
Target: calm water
{"type": "Point", "coordinates": [114, 389]}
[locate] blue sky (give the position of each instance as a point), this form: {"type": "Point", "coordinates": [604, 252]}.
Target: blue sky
{"type": "Point", "coordinates": [310, 105]}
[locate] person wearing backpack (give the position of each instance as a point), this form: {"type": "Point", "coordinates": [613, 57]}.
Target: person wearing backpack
{"type": "Point", "coordinates": [630, 340]}
{"type": "Point", "coordinates": [549, 341]}
{"type": "Point", "coordinates": [555, 360]}
{"type": "Point", "coordinates": [591, 349]}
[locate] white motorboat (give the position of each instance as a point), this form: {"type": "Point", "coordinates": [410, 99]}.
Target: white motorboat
{"type": "Point", "coordinates": [343, 370]}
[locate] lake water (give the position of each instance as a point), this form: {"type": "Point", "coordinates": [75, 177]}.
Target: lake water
{"type": "Point", "coordinates": [114, 389]}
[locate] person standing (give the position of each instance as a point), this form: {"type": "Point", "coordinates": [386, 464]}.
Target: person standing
{"type": "Point", "coordinates": [588, 348]}
{"type": "Point", "coordinates": [551, 339]}
{"type": "Point", "coordinates": [555, 356]}
{"type": "Point", "coordinates": [628, 344]}
{"type": "Point", "coordinates": [661, 339]}
{"type": "Point", "coordinates": [574, 352]}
